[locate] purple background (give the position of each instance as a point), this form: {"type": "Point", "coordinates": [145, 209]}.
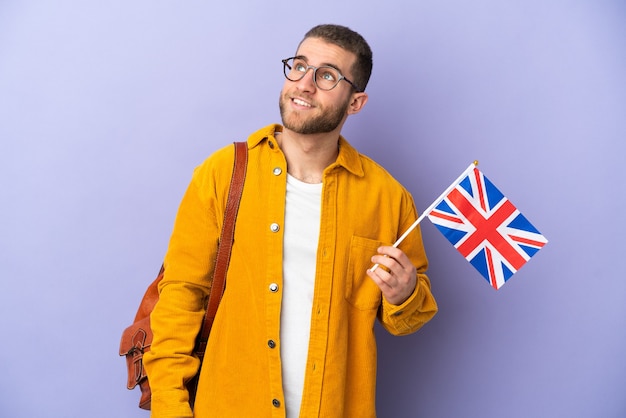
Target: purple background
{"type": "Point", "coordinates": [106, 107]}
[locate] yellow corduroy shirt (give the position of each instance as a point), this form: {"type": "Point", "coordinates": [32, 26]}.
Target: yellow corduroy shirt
{"type": "Point", "coordinates": [363, 207]}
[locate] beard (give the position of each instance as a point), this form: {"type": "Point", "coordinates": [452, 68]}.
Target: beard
{"type": "Point", "coordinates": [325, 122]}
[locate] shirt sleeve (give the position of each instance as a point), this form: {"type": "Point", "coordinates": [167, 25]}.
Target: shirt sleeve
{"type": "Point", "coordinates": [178, 314]}
{"type": "Point", "coordinates": [421, 306]}
{"type": "Point", "coordinates": [418, 309]}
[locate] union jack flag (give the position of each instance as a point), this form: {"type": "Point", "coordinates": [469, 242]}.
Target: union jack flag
{"type": "Point", "coordinates": [485, 227]}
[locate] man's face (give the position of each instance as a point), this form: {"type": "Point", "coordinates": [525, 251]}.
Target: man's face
{"type": "Point", "coordinates": [306, 109]}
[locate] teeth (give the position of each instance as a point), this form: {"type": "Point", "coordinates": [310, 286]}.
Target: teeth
{"type": "Point", "coordinates": [301, 102]}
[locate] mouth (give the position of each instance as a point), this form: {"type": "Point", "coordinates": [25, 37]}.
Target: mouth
{"type": "Point", "coordinates": [301, 102]}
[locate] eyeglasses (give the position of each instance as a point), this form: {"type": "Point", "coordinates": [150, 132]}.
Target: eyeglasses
{"type": "Point", "coordinates": [324, 77]}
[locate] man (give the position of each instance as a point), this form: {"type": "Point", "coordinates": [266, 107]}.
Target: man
{"type": "Point", "coordinates": [294, 332]}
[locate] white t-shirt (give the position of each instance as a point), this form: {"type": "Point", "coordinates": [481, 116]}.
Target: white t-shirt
{"type": "Point", "coordinates": [301, 235]}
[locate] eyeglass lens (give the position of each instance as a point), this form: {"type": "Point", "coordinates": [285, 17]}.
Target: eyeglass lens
{"type": "Point", "coordinates": [326, 78]}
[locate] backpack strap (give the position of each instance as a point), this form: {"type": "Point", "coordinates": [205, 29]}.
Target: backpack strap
{"type": "Point", "coordinates": [225, 245]}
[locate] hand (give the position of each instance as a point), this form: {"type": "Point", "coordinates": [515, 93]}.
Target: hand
{"type": "Point", "coordinates": [396, 276]}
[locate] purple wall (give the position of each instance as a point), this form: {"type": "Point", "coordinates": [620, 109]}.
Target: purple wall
{"type": "Point", "coordinates": [106, 107]}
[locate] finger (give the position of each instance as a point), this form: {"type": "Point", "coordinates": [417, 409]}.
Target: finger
{"type": "Point", "coordinates": [397, 254]}
{"type": "Point", "coordinates": [386, 264]}
{"type": "Point", "coordinates": [393, 266]}
{"type": "Point", "coordinates": [382, 279]}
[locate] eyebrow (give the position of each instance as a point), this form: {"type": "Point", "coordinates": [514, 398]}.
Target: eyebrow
{"type": "Point", "coordinates": [327, 64]}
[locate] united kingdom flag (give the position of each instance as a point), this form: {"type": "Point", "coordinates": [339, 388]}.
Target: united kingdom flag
{"type": "Point", "coordinates": [485, 227]}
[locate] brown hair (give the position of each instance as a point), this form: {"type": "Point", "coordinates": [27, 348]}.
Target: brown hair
{"type": "Point", "coordinates": [351, 41]}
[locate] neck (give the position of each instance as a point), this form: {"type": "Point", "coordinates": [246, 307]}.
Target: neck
{"type": "Point", "coordinates": [308, 155]}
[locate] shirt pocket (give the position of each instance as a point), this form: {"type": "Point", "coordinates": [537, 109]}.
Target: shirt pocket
{"type": "Point", "coordinates": [361, 291]}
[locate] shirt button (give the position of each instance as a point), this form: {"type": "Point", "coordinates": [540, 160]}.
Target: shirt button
{"type": "Point", "coordinates": [276, 403]}
{"type": "Point", "coordinates": [273, 288]}
{"type": "Point", "coordinates": [271, 144]}
{"type": "Point", "coordinates": [277, 171]}
{"type": "Point", "coordinates": [271, 344]}
{"type": "Point", "coordinates": [275, 227]}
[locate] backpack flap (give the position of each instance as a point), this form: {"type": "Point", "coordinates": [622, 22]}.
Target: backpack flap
{"type": "Point", "coordinates": [135, 342]}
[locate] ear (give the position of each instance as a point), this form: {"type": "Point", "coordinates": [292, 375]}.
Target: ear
{"type": "Point", "coordinates": [357, 103]}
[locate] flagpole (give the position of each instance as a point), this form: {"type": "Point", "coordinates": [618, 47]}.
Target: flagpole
{"type": "Point", "coordinates": [431, 207]}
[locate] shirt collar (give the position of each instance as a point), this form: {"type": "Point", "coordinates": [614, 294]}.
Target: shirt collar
{"type": "Point", "coordinates": [348, 158]}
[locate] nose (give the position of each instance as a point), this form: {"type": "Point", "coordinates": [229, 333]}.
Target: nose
{"type": "Point", "coordinates": [307, 83]}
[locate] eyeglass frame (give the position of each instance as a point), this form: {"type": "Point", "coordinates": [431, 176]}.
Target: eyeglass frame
{"type": "Point", "coordinates": [306, 70]}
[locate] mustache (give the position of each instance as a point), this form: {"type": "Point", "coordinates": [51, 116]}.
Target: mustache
{"type": "Point", "coordinates": [290, 95]}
